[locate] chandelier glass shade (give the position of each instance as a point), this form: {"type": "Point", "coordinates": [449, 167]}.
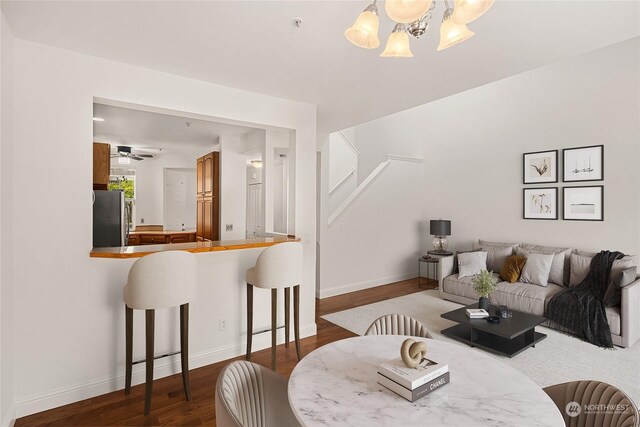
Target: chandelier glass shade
{"type": "Point", "coordinates": [466, 11]}
{"type": "Point", "coordinates": [405, 11]}
{"type": "Point", "coordinates": [416, 14]}
{"type": "Point", "coordinates": [398, 44]}
{"type": "Point", "coordinates": [364, 32]}
{"type": "Point", "coordinates": [452, 34]}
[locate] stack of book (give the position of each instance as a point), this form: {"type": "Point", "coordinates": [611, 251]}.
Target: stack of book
{"type": "Point", "coordinates": [413, 383]}
{"type": "Point", "coordinates": [476, 313]}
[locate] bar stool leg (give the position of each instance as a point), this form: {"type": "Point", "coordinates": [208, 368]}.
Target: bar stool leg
{"type": "Point", "coordinates": [150, 326]}
{"type": "Point", "coordinates": [274, 325]}
{"type": "Point", "coordinates": [184, 349]}
{"type": "Point", "coordinates": [287, 315]}
{"type": "Point", "coordinates": [249, 320]}
{"type": "Point", "coordinates": [296, 317]}
{"type": "Point", "coordinates": [129, 348]}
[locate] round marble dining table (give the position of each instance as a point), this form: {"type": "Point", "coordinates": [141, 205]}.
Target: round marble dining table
{"type": "Point", "coordinates": [336, 385]}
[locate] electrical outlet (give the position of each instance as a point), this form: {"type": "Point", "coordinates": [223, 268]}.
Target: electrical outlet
{"type": "Point", "coordinates": [222, 324]}
{"type": "Point", "coordinates": [229, 227]}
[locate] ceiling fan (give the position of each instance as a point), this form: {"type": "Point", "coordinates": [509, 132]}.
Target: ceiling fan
{"type": "Point", "coordinates": [123, 151]}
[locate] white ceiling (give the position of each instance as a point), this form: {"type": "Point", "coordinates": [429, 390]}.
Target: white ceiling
{"type": "Point", "coordinates": [142, 129]}
{"type": "Point", "coordinates": [252, 45]}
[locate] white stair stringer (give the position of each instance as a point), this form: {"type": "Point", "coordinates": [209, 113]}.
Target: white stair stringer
{"type": "Point", "coordinates": [364, 184]}
{"type": "Point", "coordinates": [335, 187]}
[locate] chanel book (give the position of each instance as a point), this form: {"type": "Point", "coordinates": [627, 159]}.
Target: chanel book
{"type": "Point", "coordinates": [417, 393]}
{"type": "Point", "coordinates": [412, 378]}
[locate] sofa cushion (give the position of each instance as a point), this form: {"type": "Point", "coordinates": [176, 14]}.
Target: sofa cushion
{"type": "Point", "coordinates": [550, 249]}
{"type": "Point", "coordinates": [581, 263]}
{"type": "Point", "coordinates": [471, 263]}
{"type": "Point", "coordinates": [556, 274]}
{"type": "Point", "coordinates": [524, 296]}
{"type": "Point", "coordinates": [462, 287]}
{"type": "Point", "coordinates": [496, 255]}
{"type": "Point", "coordinates": [613, 295]}
{"type": "Point", "coordinates": [487, 243]}
{"type": "Point", "coordinates": [512, 268]}
{"type": "Point", "coordinates": [536, 269]}
{"type": "Point", "coordinates": [613, 317]}
{"type": "Point", "coordinates": [579, 268]}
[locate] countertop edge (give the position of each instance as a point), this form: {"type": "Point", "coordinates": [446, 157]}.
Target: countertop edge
{"type": "Point", "coordinates": [198, 248]}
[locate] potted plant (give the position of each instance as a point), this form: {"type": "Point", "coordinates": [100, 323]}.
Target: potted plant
{"type": "Point", "coordinates": [484, 284]}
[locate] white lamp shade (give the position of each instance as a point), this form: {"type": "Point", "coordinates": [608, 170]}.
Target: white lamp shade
{"type": "Point", "coordinates": [405, 11]}
{"type": "Point", "coordinates": [397, 46]}
{"type": "Point", "coordinates": [452, 34]}
{"type": "Point", "coordinates": [364, 32]}
{"type": "Point", "coordinates": [466, 11]}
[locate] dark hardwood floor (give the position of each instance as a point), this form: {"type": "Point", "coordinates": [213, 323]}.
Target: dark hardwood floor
{"type": "Point", "coordinates": [169, 407]}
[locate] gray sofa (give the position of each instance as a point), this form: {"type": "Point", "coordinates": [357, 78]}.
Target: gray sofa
{"type": "Point", "coordinates": [624, 320]}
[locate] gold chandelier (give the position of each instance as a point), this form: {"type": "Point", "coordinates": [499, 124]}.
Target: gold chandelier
{"type": "Point", "coordinates": [412, 18]}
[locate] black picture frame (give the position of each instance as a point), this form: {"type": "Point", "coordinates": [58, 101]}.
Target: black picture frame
{"type": "Point", "coordinates": [525, 203]}
{"type": "Point", "coordinates": [566, 199]}
{"type": "Point", "coordinates": [577, 164]}
{"type": "Point", "coordinates": [526, 167]}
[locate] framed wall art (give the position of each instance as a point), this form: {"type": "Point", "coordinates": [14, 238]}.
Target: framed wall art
{"type": "Point", "coordinates": [540, 167]}
{"type": "Point", "coordinates": [583, 163]}
{"type": "Point", "coordinates": [583, 203]}
{"type": "Point", "coordinates": [540, 203]}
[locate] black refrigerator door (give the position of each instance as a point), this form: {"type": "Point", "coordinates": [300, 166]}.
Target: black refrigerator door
{"type": "Point", "coordinates": [108, 218]}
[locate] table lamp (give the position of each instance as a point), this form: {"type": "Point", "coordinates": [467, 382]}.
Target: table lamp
{"type": "Point", "coordinates": [440, 229]}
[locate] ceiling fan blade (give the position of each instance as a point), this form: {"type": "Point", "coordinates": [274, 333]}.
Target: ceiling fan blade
{"type": "Point", "coordinates": [134, 157]}
{"type": "Point", "coordinates": [147, 156]}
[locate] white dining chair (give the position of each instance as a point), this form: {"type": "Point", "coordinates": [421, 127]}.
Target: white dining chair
{"type": "Point", "coordinates": [278, 267]}
{"type": "Point", "coordinates": [398, 324]}
{"type": "Point", "coordinates": [159, 280]}
{"type": "Point", "coordinates": [250, 395]}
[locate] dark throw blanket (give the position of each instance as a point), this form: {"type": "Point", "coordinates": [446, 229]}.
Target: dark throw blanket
{"type": "Point", "coordinates": [580, 310]}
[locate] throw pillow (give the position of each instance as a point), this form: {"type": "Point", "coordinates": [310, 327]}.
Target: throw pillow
{"type": "Point", "coordinates": [496, 255]}
{"type": "Point", "coordinates": [512, 268]}
{"type": "Point", "coordinates": [471, 263]}
{"type": "Point", "coordinates": [556, 275]}
{"type": "Point", "coordinates": [613, 296]}
{"type": "Point", "coordinates": [553, 250]}
{"type": "Point", "coordinates": [537, 268]}
{"type": "Point", "coordinates": [580, 266]}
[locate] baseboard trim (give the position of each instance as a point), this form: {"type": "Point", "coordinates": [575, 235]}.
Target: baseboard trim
{"type": "Point", "coordinates": [366, 284]}
{"type": "Point", "coordinates": [164, 368]}
{"type": "Point", "coordinates": [9, 418]}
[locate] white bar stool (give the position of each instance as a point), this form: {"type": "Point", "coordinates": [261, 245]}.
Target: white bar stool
{"type": "Point", "coordinates": [159, 280]}
{"type": "Point", "coordinates": [279, 266]}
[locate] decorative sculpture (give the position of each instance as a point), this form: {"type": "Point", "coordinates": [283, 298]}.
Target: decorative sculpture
{"type": "Point", "coordinates": [412, 352]}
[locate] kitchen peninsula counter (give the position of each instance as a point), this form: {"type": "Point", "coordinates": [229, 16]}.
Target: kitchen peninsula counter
{"type": "Point", "coordinates": [194, 247]}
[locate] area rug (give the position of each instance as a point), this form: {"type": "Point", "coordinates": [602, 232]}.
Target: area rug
{"type": "Point", "coordinates": [558, 358]}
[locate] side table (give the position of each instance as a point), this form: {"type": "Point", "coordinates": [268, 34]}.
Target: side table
{"type": "Point", "coordinates": [432, 259]}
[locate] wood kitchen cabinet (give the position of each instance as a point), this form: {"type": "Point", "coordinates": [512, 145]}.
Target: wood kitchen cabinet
{"type": "Point", "coordinates": [101, 165]}
{"type": "Point", "coordinates": [208, 197]}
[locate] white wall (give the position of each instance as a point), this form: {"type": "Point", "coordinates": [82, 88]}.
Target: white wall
{"type": "Point", "coordinates": [376, 240]}
{"type": "Point", "coordinates": [69, 316]}
{"type": "Point", "coordinates": [7, 346]}
{"type": "Point", "coordinates": [473, 144]}
{"type": "Point", "coordinates": [343, 168]}
{"type": "Point", "coordinates": [149, 184]}
{"type": "Point", "coordinates": [233, 188]}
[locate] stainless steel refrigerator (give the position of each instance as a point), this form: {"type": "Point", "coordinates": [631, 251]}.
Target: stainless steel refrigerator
{"type": "Point", "coordinates": [109, 219]}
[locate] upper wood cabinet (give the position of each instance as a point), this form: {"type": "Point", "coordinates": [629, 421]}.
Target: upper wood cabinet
{"type": "Point", "coordinates": [101, 165]}
{"type": "Point", "coordinates": [209, 167]}
{"type": "Point", "coordinates": [199, 177]}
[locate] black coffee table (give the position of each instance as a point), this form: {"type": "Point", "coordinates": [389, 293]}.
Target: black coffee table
{"type": "Point", "coordinates": [507, 338]}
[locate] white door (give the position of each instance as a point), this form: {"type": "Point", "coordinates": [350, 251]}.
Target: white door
{"type": "Point", "coordinates": [254, 210]}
